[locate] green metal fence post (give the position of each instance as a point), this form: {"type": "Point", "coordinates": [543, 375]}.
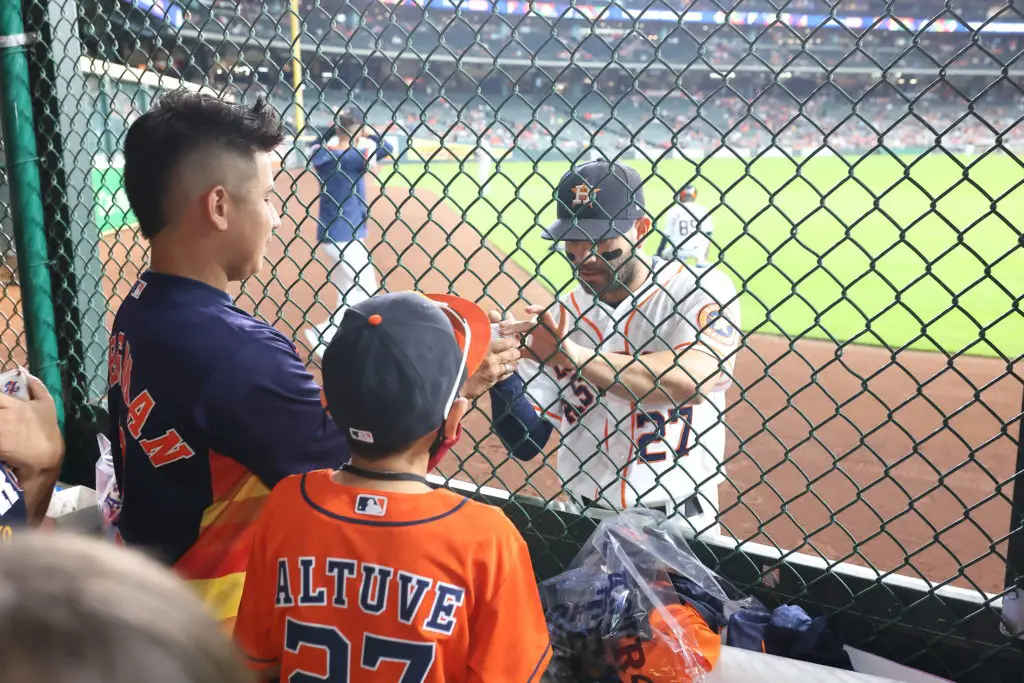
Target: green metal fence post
{"type": "Point", "coordinates": [26, 201]}
{"type": "Point", "coordinates": [67, 151]}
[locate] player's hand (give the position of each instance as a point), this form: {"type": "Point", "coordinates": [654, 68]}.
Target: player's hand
{"type": "Point", "coordinates": [501, 361]}
{"type": "Point", "coordinates": [30, 441]}
{"type": "Point", "coordinates": [548, 342]}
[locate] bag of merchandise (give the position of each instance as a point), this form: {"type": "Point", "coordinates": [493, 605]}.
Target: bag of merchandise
{"type": "Point", "coordinates": [636, 606]}
{"type": "Point", "coordinates": [108, 494]}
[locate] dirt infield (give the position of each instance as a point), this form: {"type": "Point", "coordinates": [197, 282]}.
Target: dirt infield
{"type": "Point", "coordinates": [870, 455]}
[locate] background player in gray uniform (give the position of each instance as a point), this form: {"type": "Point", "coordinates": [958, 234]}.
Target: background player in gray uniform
{"type": "Point", "coordinates": [687, 230]}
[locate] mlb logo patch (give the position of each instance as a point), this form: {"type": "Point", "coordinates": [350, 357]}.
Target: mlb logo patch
{"type": "Point", "coordinates": [361, 435]}
{"type": "Point", "coordinates": [137, 289]}
{"type": "Point", "coordinates": [374, 506]}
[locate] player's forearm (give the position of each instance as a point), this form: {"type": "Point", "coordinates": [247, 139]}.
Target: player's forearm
{"type": "Point", "coordinates": [637, 378]}
{"type": "Point", "coordinates": [38, 488]}
{"type": "Point", "coordinates": [515, 421]}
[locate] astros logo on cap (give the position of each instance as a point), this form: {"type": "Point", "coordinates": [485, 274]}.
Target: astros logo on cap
{"type": "Point", "coordinates": [584, 194]}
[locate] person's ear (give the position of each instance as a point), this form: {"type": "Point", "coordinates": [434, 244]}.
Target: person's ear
{"type": "Point", "coordinates": [455, 415]}
{"type": "Point", "coordinates": [216, 201]}
{"type": "Point", "coordinates": [643, 228]}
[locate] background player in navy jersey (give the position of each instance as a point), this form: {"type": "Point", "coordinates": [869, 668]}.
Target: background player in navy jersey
{"type": "Point", "coordinates": [341, 162]}
{"type": "Point", "coordinates": [31, 450]}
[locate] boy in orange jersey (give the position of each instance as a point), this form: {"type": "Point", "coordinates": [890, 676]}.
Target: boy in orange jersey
{"type": "Point", "coordinates": [368, 573]}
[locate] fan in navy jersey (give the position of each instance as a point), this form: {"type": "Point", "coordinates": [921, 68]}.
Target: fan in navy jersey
{"type": "Point", "coordinates": [31, 450]}
{"type": "Point", "coordinates": [209, 407]}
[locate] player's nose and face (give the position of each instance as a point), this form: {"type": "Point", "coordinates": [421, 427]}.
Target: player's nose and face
{"type": "Point", "coordinates": [596, 263]}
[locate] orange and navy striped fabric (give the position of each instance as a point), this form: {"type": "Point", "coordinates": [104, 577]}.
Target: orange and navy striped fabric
{"type": "Point", "coordinates": [215, 564]}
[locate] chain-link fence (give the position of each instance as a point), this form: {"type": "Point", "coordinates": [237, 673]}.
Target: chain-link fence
{"type": "Point", "coordinates": [856, 176]}
{"type": "Point", "coordinates": [11, 341]}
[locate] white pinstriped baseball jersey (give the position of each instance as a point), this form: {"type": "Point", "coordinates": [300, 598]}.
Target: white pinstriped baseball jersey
{"type": "Point", "coordinates": [662, 451]}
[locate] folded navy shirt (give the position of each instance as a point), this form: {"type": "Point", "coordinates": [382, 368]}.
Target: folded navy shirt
{"type": "Point", "coordinates": [12, 499]}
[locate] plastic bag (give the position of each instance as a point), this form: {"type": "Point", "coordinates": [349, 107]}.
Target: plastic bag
{"type": "Point", "coordinates": [108, 495]}
{"type": "Point", "coordinates": [636, 605]}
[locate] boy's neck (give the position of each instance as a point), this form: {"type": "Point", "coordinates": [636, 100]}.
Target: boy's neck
{"type": "Point", "coordinates": [403, 463]}
{"type": "Point", "coordinates": [171, 258]}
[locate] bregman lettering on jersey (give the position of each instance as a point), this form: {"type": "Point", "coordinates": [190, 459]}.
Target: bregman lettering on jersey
{"type": "Point", "coordinates": [625, 453]}
{"type": "Point", "coordinates": [209, 409]}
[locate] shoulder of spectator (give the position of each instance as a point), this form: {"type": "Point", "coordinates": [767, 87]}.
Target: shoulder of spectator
{"type": "Point", "coordinates": [286, 491]}
{"type": "Point", "coordinates": [261, 350]}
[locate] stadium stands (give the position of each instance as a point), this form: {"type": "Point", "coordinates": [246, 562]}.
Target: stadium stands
{"type": "Point", "coordinates": [651, 85]}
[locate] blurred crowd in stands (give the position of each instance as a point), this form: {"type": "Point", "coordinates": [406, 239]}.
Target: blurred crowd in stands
{"type": "Point", "coordinates": [481, 35]}
{"type": "Point", "coordinates": [530, 83]}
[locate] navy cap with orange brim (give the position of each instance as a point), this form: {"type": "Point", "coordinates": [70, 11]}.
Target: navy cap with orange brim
{"type": "Point", "coordinates": [397, 363]}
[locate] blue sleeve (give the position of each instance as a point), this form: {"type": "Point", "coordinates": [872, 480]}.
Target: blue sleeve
{"type": "Point", "coordinates": [514, 420]}
{"type": "Point", "coordinates": [325, 136]}
{"type": "Point", "coordinates": [323, 158]}
{"type": "Point", "coordinates": [384, 148]}
{"type": "Point", "coordinates": [263, 410]}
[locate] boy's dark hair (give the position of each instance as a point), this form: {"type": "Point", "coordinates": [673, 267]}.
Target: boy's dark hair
{"type": "Point", "coordinates": [180, 124]}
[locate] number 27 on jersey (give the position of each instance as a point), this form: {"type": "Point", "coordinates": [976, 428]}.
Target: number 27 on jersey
{"type": "Point", "coordinates": [668, 435]}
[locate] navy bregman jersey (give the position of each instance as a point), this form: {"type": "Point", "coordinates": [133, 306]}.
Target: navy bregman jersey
{"type": "Point", "coordinates": [13, 512]}
{"type": "Point", "coordinates": [210, 408]}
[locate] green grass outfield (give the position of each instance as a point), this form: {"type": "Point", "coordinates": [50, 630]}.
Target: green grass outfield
{"type": "Point", "coordinates": [893, 256]}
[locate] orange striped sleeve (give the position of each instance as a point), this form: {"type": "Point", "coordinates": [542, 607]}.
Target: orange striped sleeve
{"type": "Point", "coordinates": [547, 413]}
{"type": "Point", "coordinates": [253, 631]}
{"type": "Point", "coordinates": [215, 564]}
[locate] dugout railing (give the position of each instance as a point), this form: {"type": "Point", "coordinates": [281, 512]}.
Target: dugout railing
{"type": "Point", "coordinates": [861, 167]}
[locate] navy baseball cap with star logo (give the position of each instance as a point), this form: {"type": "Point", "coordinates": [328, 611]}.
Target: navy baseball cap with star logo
{"type": "Point", "coordinates": [596, 201]}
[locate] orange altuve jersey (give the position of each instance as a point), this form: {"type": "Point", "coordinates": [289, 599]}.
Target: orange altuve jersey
{"type": "Point", "coordinates": [350, 584]}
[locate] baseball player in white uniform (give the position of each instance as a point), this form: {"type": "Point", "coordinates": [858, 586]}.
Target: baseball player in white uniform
{"type": "Point", "coordinates": [631, 366]}
{"type": "Point", "coordinates": [688, 230]}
